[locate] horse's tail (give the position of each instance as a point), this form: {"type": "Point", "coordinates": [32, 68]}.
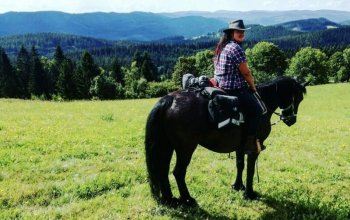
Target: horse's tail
{"type": "Point", "coordinates": [156, 146]}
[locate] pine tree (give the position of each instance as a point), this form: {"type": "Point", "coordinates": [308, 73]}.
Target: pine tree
{"type": "Point", "coordinates": [37, 81]}
{"type": "Point", "coordinates": [117, 73]}
{"type": "Point", "coordinates": [65, 82]}
{"type": "Point", "coordinates": [84, 75]}
{"type": "Point", "coordinates": [8, 80]}
{"type": "Point", "coordinates": [23, 72]}
{"type": "Point", "coordinates": [59, 56]}
{"type": "Point", "coordinates": [148, 69]}
{"type": "Point", "coordinates": [87, 72]}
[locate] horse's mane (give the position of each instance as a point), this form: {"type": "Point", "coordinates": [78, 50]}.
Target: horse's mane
{"type": "Point", "coordinates": [282, 80]}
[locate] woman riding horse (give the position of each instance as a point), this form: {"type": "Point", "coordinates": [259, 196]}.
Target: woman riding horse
{"type": "Point", "coordinates": [233, 74]}
{"type": "Point", "coordinates": [180, 121]}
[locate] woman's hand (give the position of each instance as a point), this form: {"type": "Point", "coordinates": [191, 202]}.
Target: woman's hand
{"type": "Point", "coordinates": [245, 71]}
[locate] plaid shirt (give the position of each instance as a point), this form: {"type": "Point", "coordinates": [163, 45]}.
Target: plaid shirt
{"type": "Point", "coordinates": [226, 67]}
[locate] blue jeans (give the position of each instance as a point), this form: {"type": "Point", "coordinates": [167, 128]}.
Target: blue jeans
{"type": "Point", "coordinates": [250, 107]}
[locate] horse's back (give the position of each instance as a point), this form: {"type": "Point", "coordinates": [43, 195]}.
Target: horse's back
{"type": "Point", "coordinates": [188, 119]}
{"type": "Point", "coordinates": [189, 111]}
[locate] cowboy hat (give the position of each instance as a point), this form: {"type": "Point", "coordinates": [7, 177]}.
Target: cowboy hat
{"type": "Point", "coordinates": [236, 25]}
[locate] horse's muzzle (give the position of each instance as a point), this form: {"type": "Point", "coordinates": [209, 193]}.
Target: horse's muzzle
{"type": "Point", "coordinates": [290, 120]}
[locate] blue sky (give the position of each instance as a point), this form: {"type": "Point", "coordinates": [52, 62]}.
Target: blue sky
{"type": "Point", "coordinates": [80, 6]}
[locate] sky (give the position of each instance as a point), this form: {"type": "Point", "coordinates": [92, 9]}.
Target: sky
{"type": "Point", "coordinates": [81, 6]}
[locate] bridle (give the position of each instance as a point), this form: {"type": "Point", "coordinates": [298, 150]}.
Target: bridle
{"type": "Point", "coordinates": [282, 116]}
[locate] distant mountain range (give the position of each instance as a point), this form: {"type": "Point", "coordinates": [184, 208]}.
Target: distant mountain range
{"type": "Point", "coordinates": [114, 26]}
{"type": "Point", "coordinates": [143, 26]}
{"type": "Point", "coordinates": [268, 17]}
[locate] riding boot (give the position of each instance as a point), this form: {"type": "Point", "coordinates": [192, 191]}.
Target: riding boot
{"type": "Point", "coordinates": [251, 145]}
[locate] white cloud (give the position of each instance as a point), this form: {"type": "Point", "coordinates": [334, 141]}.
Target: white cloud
{"type": "Point", "coordinates": [268, 3]}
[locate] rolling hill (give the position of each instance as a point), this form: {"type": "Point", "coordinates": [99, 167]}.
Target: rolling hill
{"type": "Point", "coordinates": [113, 26]}
{"type": "Point", "coordinates": [312, 24]}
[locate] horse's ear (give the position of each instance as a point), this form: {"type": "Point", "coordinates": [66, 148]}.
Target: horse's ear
{"type": "Point", "coordinates": [306, 83]}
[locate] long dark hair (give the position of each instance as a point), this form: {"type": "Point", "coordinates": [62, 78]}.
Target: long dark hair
{"type": "Point", "coordinates": [222, 43]}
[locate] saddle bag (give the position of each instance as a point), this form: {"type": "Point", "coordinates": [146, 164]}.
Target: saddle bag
{"type": "Point", "coordinates": [223, 111]}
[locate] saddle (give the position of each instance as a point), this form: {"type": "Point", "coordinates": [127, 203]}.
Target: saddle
{"type": "Point", "coordinates": [223, 109]}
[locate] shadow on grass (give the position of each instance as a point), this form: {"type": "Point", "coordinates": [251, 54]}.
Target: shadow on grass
{"type": "Point", "coordinates": [196, 213]}
{"type": "Point", "coordinates": [285, 209]}
{"type": "Point", "coordinates": [281, 209]}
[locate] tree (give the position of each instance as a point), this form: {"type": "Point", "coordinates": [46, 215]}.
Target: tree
{"type": "Point", "coordinates": [58, 59]}
{"type": "Point", "coordinates": [138, 59]}
{"type": "Point", "coordinates": [23, 72]}
{"type": "Point", "coordinates": [85, 73]}
{"type": "Point", "coordinates": [104, 86]}
{"type": "Point", "coordinates": [183, 65]}
{"type": "Point", "coordinates": [309, 64]}
{"type": "Point", "coordinates": [266, 61]}
{"type": "Point", "coordinates": [8, 80]}
{"type": "Point", "coordinates": [37, 84]}
{"type": "Point", "coordinates": [59, 56]}
{"type": "Point", "coordinates": [346, 55]}
{"type": "Point", "coordinates": [132, 76]}
{"type": "Point", "coordinates": [51, 71]}
{"type": "Point", "coordinates": [90, 69]}
{"type": "Point", "coordinates": [148, 69]}
{"type": "Point", "coordinates": [65, 82]}
{"type": "Point", "coordinates": [116, 72]}
{"type": "Point", "coordinates": [204, 63]}
{"type": "Point", "coordinates": [336, 66]}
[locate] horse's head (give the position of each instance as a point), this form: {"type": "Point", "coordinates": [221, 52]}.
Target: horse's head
{"type": "Point", "coordinates": [290, 94]}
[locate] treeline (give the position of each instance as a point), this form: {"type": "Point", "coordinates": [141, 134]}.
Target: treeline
{"type": "Point", "coordinates": [61, 77]}
{"type": "Point", "coordinates": [164, 53]}
{"type": "Point", "coordinates": [33, 76]}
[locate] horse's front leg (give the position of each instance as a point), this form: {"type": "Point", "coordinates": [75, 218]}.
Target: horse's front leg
{"type": "Point", "coordinates": [238, 185]}
{"type": "Point", "coordinates": [249, 192]}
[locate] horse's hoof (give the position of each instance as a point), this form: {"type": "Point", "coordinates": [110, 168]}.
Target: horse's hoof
{"type": "Point", "coordinates": [238, 187]}
{"type": "Point", "coordinates": [251, 195]}
{"type": "Point", "coordinates": [189, 202]}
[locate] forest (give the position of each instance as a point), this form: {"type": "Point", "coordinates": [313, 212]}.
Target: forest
{"type": "Point", "coordinates": [68, 67]}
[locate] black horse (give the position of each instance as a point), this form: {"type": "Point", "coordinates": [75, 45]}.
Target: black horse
{"type": "Point", "coordinates": [180, 121]}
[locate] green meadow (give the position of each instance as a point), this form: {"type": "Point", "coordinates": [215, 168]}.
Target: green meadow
{"type": "Point", "coordinates": [85, 160]}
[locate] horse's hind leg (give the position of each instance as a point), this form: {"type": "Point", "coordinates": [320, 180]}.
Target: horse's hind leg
{"type": "Point", "coordinates": [167, 195]}
{"type": "Point", "coordinates": [238, 185]}
{"type": "Point", "coordinates": [183, 159]}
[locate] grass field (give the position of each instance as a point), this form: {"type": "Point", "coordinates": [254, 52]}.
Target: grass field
{"type": "Point", "coordinates": [85, 160]}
